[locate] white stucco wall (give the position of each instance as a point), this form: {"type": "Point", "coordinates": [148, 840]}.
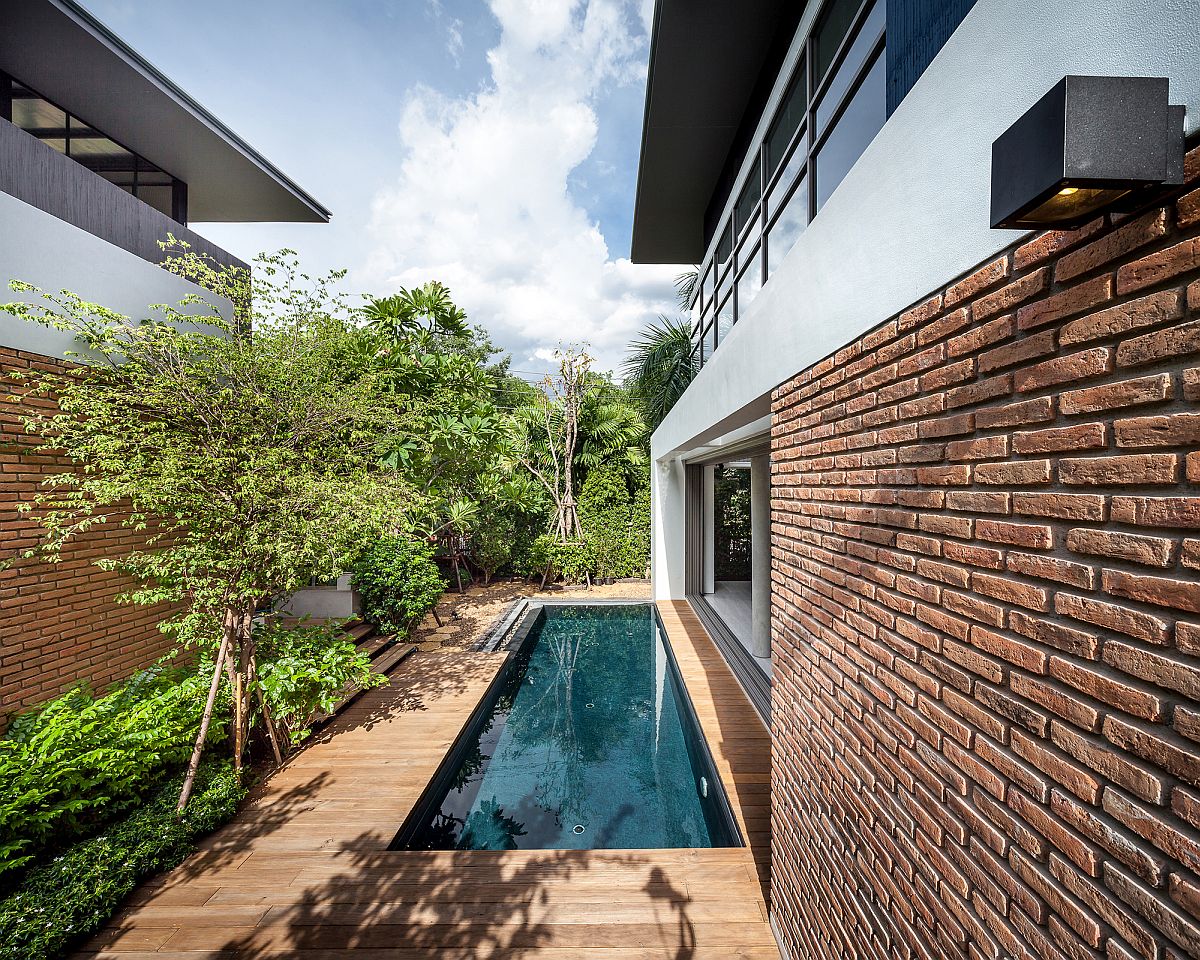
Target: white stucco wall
{"type": "Point", "coordinates": [52, 254]}
{"type": "Point", "coordinates": [913, 212]}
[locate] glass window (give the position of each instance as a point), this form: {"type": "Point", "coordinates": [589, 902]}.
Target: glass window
{"type": "Point", "coordinates": [152, 177]}
{"type": "Point", "coordinates": [856, 127]}
{"type": "Point", "coordinates": [724, 249]}
{"type": "Point", "coordinates": [787, 120]}
{"type": "Point", "coordinates": [747, 202]}
{"type": "Point", "coordinates": [92, 149]}
{"type": "Point", "coordinates": [777, 195]}
{"type": "Point", "coordinates": [831, 31]}
{"type": "Point", "coordinates": [31, 112]}
{"type": "Point", "coordinates": [122, 178]}
{"type": "Point", "coordinates": [705, 344]}
{"type": "Point", "coordinates": [97, 147]}
{"type": "Point", "coordinates": [157, 197]}
{"type": "Point", "coordinates": [855, 58]}
{"type": "Point", "coordinates": [788, 226]}
{"type": "Point", "coordinates": [749, 281]}
{"type": "Point", "coordinates": [724, 318]}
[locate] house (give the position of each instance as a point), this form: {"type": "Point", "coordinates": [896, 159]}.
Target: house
{"type": "Point", "coordinates": [931, 487]}
{"type": "Point", "coordinates": [101, 158]}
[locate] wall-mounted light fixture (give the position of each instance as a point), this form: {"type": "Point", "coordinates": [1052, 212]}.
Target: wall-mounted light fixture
{"type": "Point", "coordinates": [1090, 144]}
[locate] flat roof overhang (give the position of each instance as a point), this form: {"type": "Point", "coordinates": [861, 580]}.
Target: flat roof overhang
{"type": "Point", "coordinates": [68, 56]}
{"type": "Point", "coordinates": [705, 59]}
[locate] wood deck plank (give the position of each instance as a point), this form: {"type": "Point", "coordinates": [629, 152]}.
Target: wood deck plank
{"type": "Point", "coordinates": [303, 871]}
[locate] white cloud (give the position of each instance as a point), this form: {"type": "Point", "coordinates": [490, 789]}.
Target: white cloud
{"type": "Point", "coordinates": [453, 26]}
{"type": "Point", "coordinates": [482, 201]}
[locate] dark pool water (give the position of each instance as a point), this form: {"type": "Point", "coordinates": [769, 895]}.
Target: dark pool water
{"type": "Point", "coordinates": [586, 743]}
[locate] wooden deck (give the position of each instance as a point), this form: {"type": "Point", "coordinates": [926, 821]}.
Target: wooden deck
{"type": "Point", "coordinates": [303, 872]}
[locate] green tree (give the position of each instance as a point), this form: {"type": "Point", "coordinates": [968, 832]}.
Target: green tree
{"type": "Point", "coordinates": [248, 451]}
{"type": "Point", "coordinates": [435, 369]}
{"type": "Point", "coordinates": [571, 423]}
{"type": "Point", "coordinates": [427, 309]}
{"type": "Point", "coordinates": [659, 367]}
{"type": "Point", "coordinates": [605, 516]}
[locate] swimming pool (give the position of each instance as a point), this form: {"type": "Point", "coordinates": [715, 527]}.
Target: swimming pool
{"type": "Point", "coordinates": [585, 740]}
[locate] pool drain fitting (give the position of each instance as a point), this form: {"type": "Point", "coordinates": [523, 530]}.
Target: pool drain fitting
{"type": "Point", "coordinates": [578, 828]}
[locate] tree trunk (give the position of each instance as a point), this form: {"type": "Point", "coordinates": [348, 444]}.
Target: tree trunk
{"type": "Point", "coordinates": [272, 735]}
{"type": "Point", "coordinates": [206, 717]}
{"type": "Point", "coordinates": [241, 693]}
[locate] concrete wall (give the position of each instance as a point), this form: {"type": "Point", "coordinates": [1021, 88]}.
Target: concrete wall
{"type": "Point", "coordinates": [913, 212]}
{"type": "Point", "coordinates": [50, 253]}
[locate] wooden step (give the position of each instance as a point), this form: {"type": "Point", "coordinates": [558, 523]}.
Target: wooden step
{"type": "Point", "coordinates": [392, 657]}
{"type": "Point", "coordinates": [358, 629]}
{"type": "Point", "coordinates": [385, 661]}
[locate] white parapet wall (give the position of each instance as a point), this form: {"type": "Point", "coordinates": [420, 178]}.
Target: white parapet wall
{"type": "Point", "coordinates": [52, 254]}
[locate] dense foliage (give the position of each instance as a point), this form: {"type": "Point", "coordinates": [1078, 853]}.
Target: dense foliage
{"type": "Point", "coordinates": [58, 903]}
{"type": "Point", "coordinates": [572, 427]}
{"type": "Point", "coordinates": [80, 758]}
{"type": "Point", "coordinates": [248, 449]}
{"type": "Point", "coordinates": [512, 513]}
{"type": "Point", "coordinates": [305, 670]}
{"type": "Point", "coordinates": [617, 546]}
{"type": "Point", "coordinates": [731, 523]}
{"type": "Point", "coordinates": [398, 583]}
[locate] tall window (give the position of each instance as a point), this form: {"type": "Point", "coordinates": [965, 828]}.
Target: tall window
{"type": "Point", "coordinates": [831, 109]}
{"type": "Point", "coordinates": [90, 148]}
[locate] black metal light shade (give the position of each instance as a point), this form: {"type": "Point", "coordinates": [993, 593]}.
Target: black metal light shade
{"type": "Point", "coordinates": [1090, 144]}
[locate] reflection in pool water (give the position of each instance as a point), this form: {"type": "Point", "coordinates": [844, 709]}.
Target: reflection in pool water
{"type": "Point", "coordinates": [587, 745]}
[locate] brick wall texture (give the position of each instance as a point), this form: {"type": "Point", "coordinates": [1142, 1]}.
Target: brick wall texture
{"type": "Point", "coordinates": [986, 618]}
{"type": "Point", "coordinates": [59, 623]}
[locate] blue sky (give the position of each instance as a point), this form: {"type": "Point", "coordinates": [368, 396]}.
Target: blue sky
{"type": "Point", "coordinates": [490, 145]}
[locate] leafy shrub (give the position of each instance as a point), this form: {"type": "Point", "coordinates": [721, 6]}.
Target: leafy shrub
{"type": "Point", "coordinates": [398, 583]}
{"type": "Point", "coordinates": [637, 547]}
{"type": "Point", "coordinates": [530, 528]}
{"type": "Point", "coordinates": [571, 561]}
{"type": "Point", "coordinates": [604, 515]}
{"type": "Point", "coordinates": [493, 542]}
{"type": "Point", "coordinates": [60, 902]}
{"type": "Point", "coordinates": [80, 759]}
{"type": "Point", "coordinates": [305, 670]}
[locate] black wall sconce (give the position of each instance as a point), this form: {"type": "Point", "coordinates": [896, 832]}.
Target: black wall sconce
{"type": "Point", "coordinates": [1090, 144]}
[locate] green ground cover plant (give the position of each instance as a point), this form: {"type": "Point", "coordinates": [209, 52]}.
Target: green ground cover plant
{"type": "Point", "coordinates": [305, 670]}
{"type": "Point", "coordinates": [80, 759]}
{"type": "Point", "coordinates": [59, 902]}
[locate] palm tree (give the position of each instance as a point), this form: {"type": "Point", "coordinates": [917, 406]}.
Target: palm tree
{"type": "Point", "coordinates": [659, 367]}
{"type": "Point", "coordinates": [685, 288]}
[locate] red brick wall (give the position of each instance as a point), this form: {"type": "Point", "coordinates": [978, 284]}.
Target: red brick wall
{"type": "Point", "coordinates": [59, 622]}
{"type": "Point", "coordinates": [986, 538]}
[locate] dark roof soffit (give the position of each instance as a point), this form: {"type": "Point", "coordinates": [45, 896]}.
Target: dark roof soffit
{"type": "Point", "coordinates": [705, 57]}
{"type": "Point", "coordinates": [96, 75]}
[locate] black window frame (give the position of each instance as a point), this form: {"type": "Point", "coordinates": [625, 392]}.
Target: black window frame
{"type": "Point", "coordinates": [804, 140]}
{"type": "Point", "coordinates": [78, 128]}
